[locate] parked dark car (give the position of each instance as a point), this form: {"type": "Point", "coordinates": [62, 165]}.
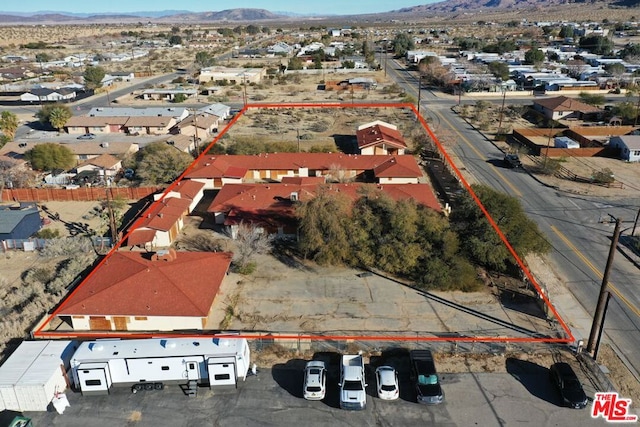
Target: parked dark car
{"type": "Point", "coordinates": [87, 136]}
{"type": "Point", "coordinates": [424, 374]}
{"type": "Point", "coordinates": [512, 161]}
{"type": "Point", "coordinates": [567, 382]}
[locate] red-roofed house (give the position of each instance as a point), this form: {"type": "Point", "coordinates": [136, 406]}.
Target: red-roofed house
{"type": "Point", "coordinates": [215, 171]}
{"type": "Point", "coordinates": [165, 219]}
{"type": "Point", "coordinates": [105, 165]}
{"type": "Point", "coordinates": [140, 291]}
{"type": "Point", "coordinates": [379, 137]}
{"type": "Point", "coordinates": [186, 189]}
{"type": "Point", "coordinates": [272, 206]}
{"type": "Point", "coordinates": [563, 107]}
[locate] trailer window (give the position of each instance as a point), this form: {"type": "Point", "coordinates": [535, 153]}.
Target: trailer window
{"type": "Point", "coordinates": [220, 377]}
{"type": "Point", "coordinates": [92, 382]}
{"type": "Point", "coordinates": [165, 368]}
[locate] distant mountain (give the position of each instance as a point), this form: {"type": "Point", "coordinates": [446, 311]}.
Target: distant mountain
{"type": "Point", "coordinates": [240, 15]}
{"type": "Point", "coordinates": [227, 15]}
{"type": "Point", "coordinates": [451, 6]}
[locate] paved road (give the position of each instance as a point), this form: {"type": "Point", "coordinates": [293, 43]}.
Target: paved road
{"type": "Point", "coordinates": [572, 223]}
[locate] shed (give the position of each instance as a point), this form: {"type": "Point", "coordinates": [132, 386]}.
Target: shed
{"type": "Point", "coordinates": [32, 375]}
{"type": "Point", "coordinates": [565, 142]}
{"type": "Point", "coordinates": [19, 222]}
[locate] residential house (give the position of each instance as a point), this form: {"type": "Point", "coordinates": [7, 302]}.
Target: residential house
{"type": "Point", "coordinates": [83, 150]}
{"type": "Point", "coordinates": [177, 113]}
{"type": "Point", "coordinates": [16, 73]}
{"type": "Point", "coordinates": [628, 146]}
{"type": "Point", "coordinates": [149, 125]}
{"type": "Point", "coordinates": [216, 171]}
{"type": "Point", "coordinates": [184, 143]}
{"type": "Point", "coordinates": [125, 76]}
{"type": "Point", "coordinates": [19, 222]}
{"type": "Point", "coordinates": [161, 223]}
{"type": "Point", "coordinates": [232, 75]}
{"type": "Point", "coordinates": [563, 107]}
{"type": "Point", "coordinates": [199, 125]}
{"type": "Point", "coordinates": [105, 166]}
{"type": "Point", "coordinates": [280, 48]}
{"type": "Point", "coordinates": [48, 95]}
{"type": "Point", "coordinates": [167, 94]}
{"type": "Point", "coordinates": [380, 138]}
{"type": "Point", "coordinates": [219, 110]}
{"type": "Point", "coordinates": [272, 206]}
{"type": "Point", "coordinates": [78, 125]}
{"type": "Point", "coordinates": [140, 291]}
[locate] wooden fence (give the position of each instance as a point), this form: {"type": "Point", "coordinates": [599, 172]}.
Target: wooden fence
{"type": "Point", "coordinates": [84, 194]}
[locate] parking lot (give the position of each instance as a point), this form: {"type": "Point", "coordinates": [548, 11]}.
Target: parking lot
{"type": "Point", "coordinates": [522, 396]}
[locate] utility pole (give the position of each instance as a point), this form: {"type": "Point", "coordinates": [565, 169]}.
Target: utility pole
{"type": "Point", "coordinates": [195, 124]}
{"type": "Point", "coordinates": [598, 316]}
{"type": "Point", "coordinates": [112, 218]}
{"type": "Point", "coordinates": [635, 223]}
{"type": "Point", "coordinates": [419, 91]}
{"type": "Point", "coordinates": [546, 154]}
{"type": "Point", "coordinates": [504, 96]}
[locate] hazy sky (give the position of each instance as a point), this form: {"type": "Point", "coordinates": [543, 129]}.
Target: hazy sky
{"type": "Point", "coordinates": [334, 7]}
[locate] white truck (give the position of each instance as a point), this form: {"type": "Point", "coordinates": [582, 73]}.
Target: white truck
{"type": "Point", "coordinates": [148, 364]}
{"type": "Point", "coordinates": [352, 383]}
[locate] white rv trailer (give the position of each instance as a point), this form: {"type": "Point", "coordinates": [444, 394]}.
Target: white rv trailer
{"type": "Point", "coordinates": [147, 364]}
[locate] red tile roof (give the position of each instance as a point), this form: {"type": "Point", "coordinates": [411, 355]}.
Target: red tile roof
{"type": "Point", "coordinates": [133, 284]}
{"type": "Point", "coordinates": [188, 189]}
{"type": "Point", "coordinates": [164, 214]}
{"type": "Point", "coordinates": [220, 166]}
{"type": "Point", "coordinates": [398, 167]}
{"type": "Point", "coordinates": [140, 237]}
{"type": "Point", "coordinates": [302, 180]}
{"type": "Point", "coordinates": [379, 134]}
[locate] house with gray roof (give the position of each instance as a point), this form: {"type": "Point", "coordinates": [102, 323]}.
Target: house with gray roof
{"type": "Point", "coordinates": [628, 146]}
{"type": "Point", "coordinates": [19, 222]}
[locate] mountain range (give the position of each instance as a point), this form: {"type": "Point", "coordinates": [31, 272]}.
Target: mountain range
{"type": "Point", "coordinates": [249, 14]}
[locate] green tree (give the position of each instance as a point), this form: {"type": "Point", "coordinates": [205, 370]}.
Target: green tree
{"type": "Point", "coordinates": [295, 63]}
{"type": "Point", "coordinates": [499, 69]}
{"type": "Point", "coordinates": [534, 56]}
{"type": "Point", "coordinates": [348, 64]}
{"type": "Point", "coordinates": [59, 116]}
{"type": "Point", "coordinates": [205, 59]}
{"type": "Point", "coordinates": [252, 29]}
{"type": "Point", "coordinates": [631, 50]}
{"type": "Point", "coordinates": [482, 243]}
{"type": "Point", "coordinates": [43, 57]}
{"type": "Point", "coordinates": [9, 124]}
{"type": "Point", "coordinates": [49, 156]}
{"type": "Point", "coordinates": [160, 163]}
{"type": "Point", "coordinates": [179, 98]}
{"type": "Point", "coordinates": [93, 76]}
{"type": "Point", "coordinates": [596, 44]}
{"type": "Point", "coordinates": [566, 31]}
{"type": "Point", "coordinates": [627, 110]}
{"type": "Point", "coordinates": [402, 43]}
{"type": "Point", "coordinates": [323, 228]}
{"type": "Point", "coordinates": [592, 98]}
{"type": "Point", "coordinates": [174, 40]}
{"type": "Point", "coordinates": [60, 112]}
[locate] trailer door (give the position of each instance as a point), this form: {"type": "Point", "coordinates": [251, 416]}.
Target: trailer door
{"type": "Point", "coordinates": [222, 371]}
{"type": "Point", "coordinates": [191, 367]}
{"type": "Point", "coordinates": [94, 378]}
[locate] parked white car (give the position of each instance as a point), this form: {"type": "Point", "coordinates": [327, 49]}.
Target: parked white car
{"type": "Point", "coordinates": [315, 380]}
{"type": "Point", "coordinates": [387, 383]}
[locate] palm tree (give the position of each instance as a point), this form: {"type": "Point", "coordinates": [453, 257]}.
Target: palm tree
{"type": "Point", "coordinates": [9, 124]}
{"type": "Point", "coordinates": [59, 117]}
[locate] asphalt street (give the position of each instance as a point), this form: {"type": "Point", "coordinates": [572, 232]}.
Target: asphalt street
{"type": "Point", "coordinates": [572, 223]}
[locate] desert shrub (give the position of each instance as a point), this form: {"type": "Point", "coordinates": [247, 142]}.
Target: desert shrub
{"type": "Point", "coordinates": [69, 246]}
{"type": "Point", "coordinates": [47, 233]}
{"type": "Point", "coordinates": [200, 242]}
{"type": "Point", "coordinates": [259, 97]}
{"type": "Point", "coordinates": [246, 269]}
{"type": "Point", "coordinates": [319, 126]}
{"type": "Point", "coordinates": [604, 176]}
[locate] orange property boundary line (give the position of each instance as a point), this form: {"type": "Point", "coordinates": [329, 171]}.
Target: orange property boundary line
{"type": "Point", "coordinates": [39, 333]}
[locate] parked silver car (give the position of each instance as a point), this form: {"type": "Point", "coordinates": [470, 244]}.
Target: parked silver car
{"type": "Point", "coordinates": [315, 380]}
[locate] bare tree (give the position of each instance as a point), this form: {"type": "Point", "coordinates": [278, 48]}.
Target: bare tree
{"type": "Point", "coordinates": [200, 242]}
{"type": "Point", "coordinates": [13, 175]}
{"type": "Point", "coordinates": [251, 240]}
